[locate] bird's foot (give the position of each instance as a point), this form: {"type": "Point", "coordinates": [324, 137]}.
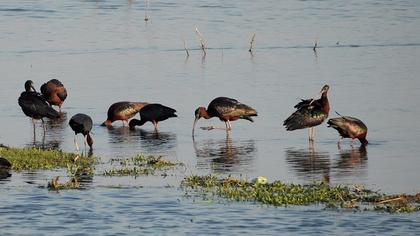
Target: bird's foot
{"type": "Point", "coordinates": [208, 128]}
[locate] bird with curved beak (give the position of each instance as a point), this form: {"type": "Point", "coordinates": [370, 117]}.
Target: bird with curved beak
{"type": "Point", "coordinates": [227, 110]}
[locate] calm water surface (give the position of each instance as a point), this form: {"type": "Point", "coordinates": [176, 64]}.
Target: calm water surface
{"type": "Point", "coordinates": [103, 51]}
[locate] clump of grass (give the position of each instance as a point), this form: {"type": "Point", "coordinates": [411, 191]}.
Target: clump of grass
{"type": "Point", "coordinates": [71, 184]}
{"type": "Point", "coordinates": [139, 165]}
{"type": "Point", "coordinates": [34, 158]}
{"type": "Point", "coordinates": [278, 193]}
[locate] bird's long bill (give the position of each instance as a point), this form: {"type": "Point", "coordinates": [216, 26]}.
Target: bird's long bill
{"type": "Point", "coordinates": [195, 122]}
{"type": "Point", "coordinates": [33, 88]}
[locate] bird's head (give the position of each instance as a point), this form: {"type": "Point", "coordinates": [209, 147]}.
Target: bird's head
{"type": "Point", "coordinates": [29, 86]}
{"type": "Point", "coordinates": [199, 112]}
{"type": "Point", "coordinates": [324, 90]}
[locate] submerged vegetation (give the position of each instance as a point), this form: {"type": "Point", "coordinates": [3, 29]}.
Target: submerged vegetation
{"type": "Point", "coordinates": [139, 165]}
{"type": "Point", "coordinates": [34, 158]}
{"type": "Point", "coordinates": [278, 193]}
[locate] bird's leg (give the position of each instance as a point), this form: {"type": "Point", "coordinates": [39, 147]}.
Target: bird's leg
{"type": "Point", "coordinates": [123, 121]}
{"type": "Point", "coordinates": [155, 125]}
{"type": "Point", "coordinates": [229, 125]}
{"type": "Point", "coordinates": [84, 141]}
{"type": "Point", "coordinates": [352, 142]}
{"type": "Point", "coordinates": [339, 142]}
{"type": "Point", "coordinates": [313, 134]}
{"type": "Point", "coordinates": [75, 143]}
{"type": "Point", "coordinates": [43, 125]}
{"type": "Point", "coordinates": [310, 134]}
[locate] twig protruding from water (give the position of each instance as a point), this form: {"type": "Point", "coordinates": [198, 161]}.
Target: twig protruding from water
{"type": "Point", "coordinates": [315, 45]}
{"type": "Point", "coordinates": [251, 46]}
{"type": "Point", "coordinates": [185, 46]}
{"type": "Point", "coordinates": [146, 8]}
{"type": "Point", "coordinates": [202, 41]}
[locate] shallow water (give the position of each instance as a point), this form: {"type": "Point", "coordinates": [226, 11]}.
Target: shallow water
{"type": "Point", "coordinates": [103, 51]}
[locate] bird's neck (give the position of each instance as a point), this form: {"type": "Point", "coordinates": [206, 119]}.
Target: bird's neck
{"type": "Point", "coordinates": [205, 114]}
{"type": "Point", "coordinates": [325, 103]}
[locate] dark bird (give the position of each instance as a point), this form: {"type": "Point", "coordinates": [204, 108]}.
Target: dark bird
{"type": "Point", "coordinates": [54, 92]}
{"type": "Point", "coordinates": [309, 113]}
{"type": "Point", "coordinates": [227, 110]}
{"type": "Point", "coordinates": [122, 111]}
{"type": "Point", "coordinates": [34, 105]}
{"type": "Point", "coordinates": [349, 127]}
{"type": "Point", "coordinates": [153, 113]}
{"type": "Point", "coordinates": [82, 124]}
{"type": "Point", "coordinates": [5, 167]}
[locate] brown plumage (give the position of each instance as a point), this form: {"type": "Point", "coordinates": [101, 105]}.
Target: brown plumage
{"type": "Point", "coordinates": [309, 113]}
{"type": "Point", "coordinates": [349, 127]}
{"type": "Point", "coordinates": [122, 111]}
{"type": "Point", "coordinates": [226, 109]}
{"type": "Point", "coordinates": [54, 92]}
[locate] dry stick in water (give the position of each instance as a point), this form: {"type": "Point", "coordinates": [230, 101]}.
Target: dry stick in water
{"type": "Point", "coordinates": [251, 46]}
{"type": "Point", "coordinates": [316, 44]}
{"type": "Point", "coordinates": [202, 41]}
{"type": "Point", "coordinates": [185, 46]}
{"type": "Point", "coordinates": [146, 7]}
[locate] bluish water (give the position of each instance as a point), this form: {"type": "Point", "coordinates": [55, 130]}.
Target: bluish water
{"type": "Point", "coordinates": [104, 51]}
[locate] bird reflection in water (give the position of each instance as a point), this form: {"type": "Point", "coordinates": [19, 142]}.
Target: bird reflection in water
{"type": "Point", "coordinates": [150, 141]}
{"type": "Point", "coordinates": [351, 162]}
{"type": "Point", "coordinates": [310, 164]}
{"type": "Point", "coordinates": [225, 156]}
{"type": "Point", "coordinates": [53, 137]}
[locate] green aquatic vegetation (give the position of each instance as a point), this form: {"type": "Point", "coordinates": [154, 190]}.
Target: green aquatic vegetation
{"type": "Point", "coordinates": [278, 193]}
{"type": "Point", "coordinates": [34, 158]}
{"type": "Point", "coordinates": [139, 165]}
{"type": "Point", "coordinates": [54, 184]}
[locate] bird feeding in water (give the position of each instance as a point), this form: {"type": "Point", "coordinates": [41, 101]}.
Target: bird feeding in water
{"type": "Point", "coordinates": [82, 124]}
{"type": "Point", "coordinates": [34, 105]}
{"type": "Point", "coordinates": [349, 127]}
{"type": "Point", "coordinates": [227, 110]}
{"type": "Point", "coordinates": [54, 92]}
{"type": "Point", "coordinates": [122, 111]}
{"type": "Point", "coordinates": [309, 113]}
{"type": "Point", "coordinates": [153, 113]}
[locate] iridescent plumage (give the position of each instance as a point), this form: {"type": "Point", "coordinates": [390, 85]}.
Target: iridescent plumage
{"type": "Point", "coordinates": [349, 127]}
{"type": "Point", "coordinates": [122, 111]}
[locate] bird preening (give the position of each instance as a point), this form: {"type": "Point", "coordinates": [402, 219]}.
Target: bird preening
{"type": "Point", "coordinates": [54, 92]}
{"type": "Point", "coordinates": [309, 113]}
{"type": "Point", "coordinates": [35, 106]}
{"type": "Point", "coordinates": [227, 110]}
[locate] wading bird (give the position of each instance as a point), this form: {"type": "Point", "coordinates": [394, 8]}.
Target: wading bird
{"type": "Point", "coordinates": [34, 105]}
{"type": "Point", "coordinates": [153, 113]}
{"type": "Point", "coordinates": [82, 124]}
{"type": "Point", "coordinates": [122, 111]}
{"type": "Point", "coordinates": [349, 127]}
{"type": "Point", "coordinates": [309, 113]}
{"type": "Point", "coordinates": [227, 110]}
{"type": "Point", "coordinates": [54, 92]}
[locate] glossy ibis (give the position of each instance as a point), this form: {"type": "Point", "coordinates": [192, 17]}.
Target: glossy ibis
{"type": "Point", "coordinates": [5, 167]}
{"type": "Point", "coordinates": [309, 113]}
{"type": "Point", "coordinates": [349, 127]}
{"type": "Point", "coordinates": [54, 92]}
{"type": "Point", "coordinates": [153, 113]}
{"type": "Point", "coordinates": [122, 111]}
{"type": "Point", "coordinates": [227, 110]}
{"type": "Point", "coordinates": [82, 124]}
{"type": "Point", "coordinates": [34, 105]}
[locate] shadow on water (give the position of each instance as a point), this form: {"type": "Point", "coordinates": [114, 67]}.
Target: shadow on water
{"type": "Point", "coordinates": [309, 164]}
{"type": "Point", "coordinates": [351, 162]}
{"type": "Point", "coordinates": [222, 156]}
{"type": "Point", "coordinates": [52, 138]}
{"type": "Point", "coordinates": [150, 141]}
